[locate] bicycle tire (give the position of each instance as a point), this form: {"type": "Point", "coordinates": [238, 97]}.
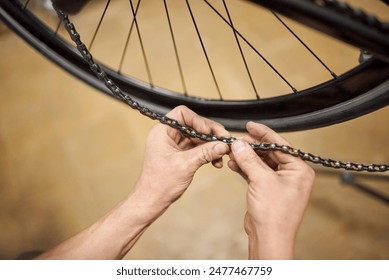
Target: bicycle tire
{"type": "Point", "coordinates": [366, 86]}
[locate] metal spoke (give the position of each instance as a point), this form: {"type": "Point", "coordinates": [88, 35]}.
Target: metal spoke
{"type": "Point", "coordinates": [253, 48]}
{"type": "Point", "coordinates": [305, 45]}
{"type": "Point", "coordinates": [58, 27]}
{"type": "Point", "coordinates": [99, 24]}
{"type": "Point", "coordinates": [204, 50]}
{"type": "Point", "coordinates": [26, 4]}
{"type": "Point", "coordinates": [240, 50]}
{"type": "Point", "coordinates": [141, 44]}
{"type": "Point", "coordinates": [128, 39]}
{"type": "Point", "coordinates": [175, 50]}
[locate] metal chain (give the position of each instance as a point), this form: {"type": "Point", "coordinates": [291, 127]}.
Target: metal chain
{"type": "Point", "coordinates": [191, 132]}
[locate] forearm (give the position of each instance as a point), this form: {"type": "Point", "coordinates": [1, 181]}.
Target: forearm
{"type": "Point", "coordinates": [112, 236]}
{"type": "Point", "coordinates": [268, 245]}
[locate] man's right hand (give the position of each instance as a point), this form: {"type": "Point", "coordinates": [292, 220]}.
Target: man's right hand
{"type": "Point", "coordinates": [278, 192]}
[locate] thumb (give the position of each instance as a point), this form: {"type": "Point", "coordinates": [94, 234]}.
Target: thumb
{"type": "Point", "coordinates": [205, 153]}
{"type": "Point", "coordinates": [247, 159]}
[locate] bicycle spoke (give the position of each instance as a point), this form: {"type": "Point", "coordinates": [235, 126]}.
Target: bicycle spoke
{"type": "Point", "coordinates": [141, 44]}
{"type": "Point", "coordinates": [240, 49]}
{"type": "Point", "coordinates": [128, 40]}
{"type": "Point", "coordinates": [253, 48]}
{"type": "Point", "coordinates": [204, 49]}
{"type": "Point", "coordinates": [305, 45]}
{"type": "Point", "coordinates": [26, 4]}
{"type": "Point", "coordinates": [58, 27]}
{"type": "Point", "coordinates": [99, 24]}
{"type": "Point", "coordinates": [175, 50]}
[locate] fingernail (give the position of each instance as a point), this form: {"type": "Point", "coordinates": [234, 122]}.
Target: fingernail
{"type": "Point", "coordinates": [238, 146]}
{"type": "Point", "coordinates": [221, 149]}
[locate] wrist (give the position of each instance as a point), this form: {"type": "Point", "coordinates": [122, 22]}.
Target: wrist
{"type": "Point", "coordinates": [150, 199]}
{"type": "Point", "coordinates": [266, 243]}
{"type": "Point", "coordinates": [123, 225]}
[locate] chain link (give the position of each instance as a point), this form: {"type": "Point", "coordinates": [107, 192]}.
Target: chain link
{"type": "Point", "coordinates": [191, 132]}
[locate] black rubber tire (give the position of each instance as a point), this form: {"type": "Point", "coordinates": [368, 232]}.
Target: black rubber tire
{"type": "Point", "coordinates": [357, 92]}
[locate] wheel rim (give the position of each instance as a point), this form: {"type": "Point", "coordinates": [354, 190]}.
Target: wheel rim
{"type": "Point", "coordinates": [284, 113]}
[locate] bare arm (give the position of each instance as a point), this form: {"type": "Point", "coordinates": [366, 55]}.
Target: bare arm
{"type": "Point", "coordinates": [112, 236]}
{"type": "Point", "coordinates": [170, 162]}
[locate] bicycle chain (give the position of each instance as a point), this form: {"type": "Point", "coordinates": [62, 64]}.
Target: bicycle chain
{"type": "Point", "coordinates": [191, 132]}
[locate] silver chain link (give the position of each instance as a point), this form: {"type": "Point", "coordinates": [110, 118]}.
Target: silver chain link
{"type": "Point", "coordinates": [191, 132]}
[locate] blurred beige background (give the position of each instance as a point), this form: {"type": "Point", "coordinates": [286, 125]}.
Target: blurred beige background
{"type": "Point", "coordinates": [68, 154]}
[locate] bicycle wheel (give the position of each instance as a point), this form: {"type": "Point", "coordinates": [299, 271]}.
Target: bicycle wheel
{"type": "Point", "coordinates": [354, 92]}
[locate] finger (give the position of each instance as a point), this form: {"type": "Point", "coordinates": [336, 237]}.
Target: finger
{"type": "Point", "coordinates": [218, 163]}
{"type": "Point", "coordinates": [269, 161]}
{"type": "Point", "coordinates": [188, 117]}
{"type": "Point", "coordinates": [265, 134]}
{"type": "Point", "coordinates": [232, 163]}
{"type": "Point", "coordinates": [205, 153]}
{"type": "Point", "coordinates": [265, 156]}
{"type": "Point", "coordinates": [235, 167]}
{"type": "Point", "coordinates": [247, 159]}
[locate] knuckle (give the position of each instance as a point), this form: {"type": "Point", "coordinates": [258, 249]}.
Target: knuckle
{"type": "Point", "coordinates": [309, 173]}
{"type": "Point", "coordinates": [307, 176]}
{"type": "Point", "coordinates": [206, 156]}
{"type": "Point", "coordinates": [181, 108]}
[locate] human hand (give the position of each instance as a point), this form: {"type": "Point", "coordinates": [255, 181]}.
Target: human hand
{"type": "Point", "coordinates": [279, 186]}
{"type": "Point", "coordinates": [170, 163]}
{"type": "Point", "coordinates": [171, 159]}
{"type": "Point", "coordinates": [70, 6]}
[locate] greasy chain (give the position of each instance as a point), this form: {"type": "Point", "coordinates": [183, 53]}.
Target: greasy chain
{"type": "Point", "coordinates": [191, 132]}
